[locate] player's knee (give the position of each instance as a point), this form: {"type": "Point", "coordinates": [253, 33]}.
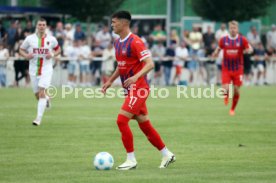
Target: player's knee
{"type": "Point", "coordinates": [122, 120]}
{"type": "Point", "coordinates": [41, 94]}
{"type": "Point", "coordinates": [236, 90]}
{"type": "Point", "coordinates": [142, 118]}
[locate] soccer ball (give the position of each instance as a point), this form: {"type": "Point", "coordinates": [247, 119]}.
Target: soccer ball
{"type": "Point", "coordinates": [103, 161]}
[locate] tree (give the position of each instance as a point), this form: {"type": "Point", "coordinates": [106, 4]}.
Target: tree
{"type": "Point", "coordinates": [85, 10]}
{"type": "Point", "coordinates": [226, 10]}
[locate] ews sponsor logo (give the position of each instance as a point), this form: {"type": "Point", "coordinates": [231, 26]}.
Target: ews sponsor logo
{"type": "Point", "coordinates": [41, 51]}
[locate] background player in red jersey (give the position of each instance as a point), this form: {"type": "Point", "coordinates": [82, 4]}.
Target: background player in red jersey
{"type": "Point", "coordinates": [233, 47]}
{"type": "Point", "coordinates": [134, 62]}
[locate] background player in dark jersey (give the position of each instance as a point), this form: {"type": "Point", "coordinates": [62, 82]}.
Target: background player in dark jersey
{"type": "Point", "coordinates": [233, 47]}
{"type": "Point", "coordinates": [134, 62]}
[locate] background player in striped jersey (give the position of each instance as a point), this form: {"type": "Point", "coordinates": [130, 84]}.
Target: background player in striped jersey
{"type": "Point", "coordinates": [134, 62]}
{"type": "Point", "coordinates": [233, 46]}
{"type": "Point", "coordinates": [40, 48]}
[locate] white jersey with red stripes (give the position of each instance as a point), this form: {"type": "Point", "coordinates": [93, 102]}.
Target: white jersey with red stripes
{"type": "Point", "coordinates": [40, 47]}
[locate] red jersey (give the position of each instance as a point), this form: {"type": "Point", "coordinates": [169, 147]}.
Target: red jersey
{"type": "Point", "coordinates": [130, 52]}
{"type": "Point", "coordinates": [233, 52]}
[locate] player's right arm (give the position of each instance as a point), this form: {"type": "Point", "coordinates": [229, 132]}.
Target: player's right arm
{"type": "Point", "coordinates": [217, 50]}
{"type": "Point", "coordinates": [23, 50]}
{"type": "Point", "coordinates": [114, 76]}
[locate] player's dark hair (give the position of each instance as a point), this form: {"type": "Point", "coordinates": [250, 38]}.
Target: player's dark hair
{"type": "Point", "coordinates": [122, 15]}
{"type": "Point", "coordinates": [41, 20]}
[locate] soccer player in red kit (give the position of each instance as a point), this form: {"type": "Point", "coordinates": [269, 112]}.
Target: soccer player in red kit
{"type": "Point", "coordinates": [134, 62]}
{"type": "Point", "coordinates": [233, 47]}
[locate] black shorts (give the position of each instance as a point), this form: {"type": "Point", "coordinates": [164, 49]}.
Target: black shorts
{"type": "Point", "coordinates": [96, 65]}
{"type": "Point", "coordinates": [247, 64]}
{"type": "Point", "coordinates": [157, 66]}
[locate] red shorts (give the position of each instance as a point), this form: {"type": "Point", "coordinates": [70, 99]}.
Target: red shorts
{"type": "Point", "coordinates": [235, 77]}
{"type": "Point", "coordinates": [135, 101]}
{"type": "Point", "coordinates": [178, 69]}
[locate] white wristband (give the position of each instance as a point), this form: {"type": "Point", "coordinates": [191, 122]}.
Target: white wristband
{"type": "Point", "coordinates": [52, 54]}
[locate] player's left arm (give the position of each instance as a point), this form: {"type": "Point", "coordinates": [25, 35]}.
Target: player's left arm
{"type": "Point", "coordinates": [144, 55]}
{"type": "Point", "coordinates": [147, 67]}
{"type": "Point", "coordinates": [56, 50]}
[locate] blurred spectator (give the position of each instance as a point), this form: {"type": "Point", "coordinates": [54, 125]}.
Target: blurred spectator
{"type": "Point", "coordinates": [181, 55]}
{"type": "Point", "coordinates": [271, 54]}
{"type": "Point", "coordinates": [3, 33]}
{"type": "Point", "coordinates": [168, 63]}
{"type": "Point", "coordinates": [210, 64]}
{"type": "Point", "coordinates": [195, 38]}
{"type": "Point", "coordinates": [158, 52]}
{"type": "Point", "coordinates": [69, 35]}
{"type": "Point", "coordinates": [21, 66]}
{"type": "Point", "coordinates": [59, 33]}
{"type": "Point", "coordinates": [108, 62]}
{"type": "Point", "coordinates": [271, 37]}
{"type": "Point", "coordinates": [201, 74]}
{"type": "Point", "coordinates": [114, 36]}
{"type": "Point", "coordinates": [104, 37]}
{"type": "Point", "coordinates": [84, 57]}
{"type": "Point", "coordinates": [49, 30]}
{"type": "Point", "coordinates": [12, 37]}
{"type": "Point", "coordinates": [158, 35]}
{"type": "Point", "coordinates": [72, 52]}
{"type": "Point", "coordinates": [253, 37]}
{"type": "Point", "coordinates": [29, 29]}
{"type": "Point", "coordinates": [270, 51]}
{"type": "Point", "coordinates": [96, 65]}
{"type": "Point", "coordinates": [174, 38]}
{"type": "Point", "coordinates": [185, 37]}
{"type": "Point", "coordinates": [79, 34]}
{"type": "Point", "coordinates": [19, 35]}
{"type": "Point", "coordinates": [259, 57]}
{"type": "Point", "coordinates": [221, 32]}
{"type": "Point", "coordinates": [135, 30]}
{"type": "Point", "coordinates": [4, 56]}
{"type": "Point", "coordinates": [208, 38]}
{"type": "Point", "coordinates": [248, 74]}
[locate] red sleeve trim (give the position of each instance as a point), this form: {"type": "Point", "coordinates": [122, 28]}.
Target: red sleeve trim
{"type": "Point", "coordinates": [56, 48]}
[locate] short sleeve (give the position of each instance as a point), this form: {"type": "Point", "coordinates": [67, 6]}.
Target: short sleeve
{"type": "Point", "coordinates": [140, 49]}
{"type": "Point", "coordinates": [245, 43]}
{"type": "Point", "coordinates": [25, 45]}
{"type": "Point", "coordinates": [221, 45]}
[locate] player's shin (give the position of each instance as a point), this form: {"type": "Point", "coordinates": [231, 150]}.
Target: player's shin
{"type": "Point", "coordinates": [126, 134]}
{"type": "Point", "coordinates": [235, 100]}
{"type": "Point", "coordinates": [41, 107]}
{"type": "Point", "coordinates": [152, 135]}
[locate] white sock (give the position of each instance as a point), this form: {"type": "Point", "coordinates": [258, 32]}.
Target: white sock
{"type": "Point", "coordinates": [41, 105]}
{"type": "Point", "coordinates": [164, 151]}
{"type": "Point", "coordinates": [131, 156]}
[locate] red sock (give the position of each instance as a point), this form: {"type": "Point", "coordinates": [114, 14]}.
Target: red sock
{"type": "Point", "coordinates": [126, 134]}
{"type": "Point", "coordinates": [152, 135]}
{"type": "Point", "coordinates": [235, 101]}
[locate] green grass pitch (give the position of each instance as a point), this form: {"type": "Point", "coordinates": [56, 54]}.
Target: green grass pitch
{"type": "Point", "coordinates": [204, 138]}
